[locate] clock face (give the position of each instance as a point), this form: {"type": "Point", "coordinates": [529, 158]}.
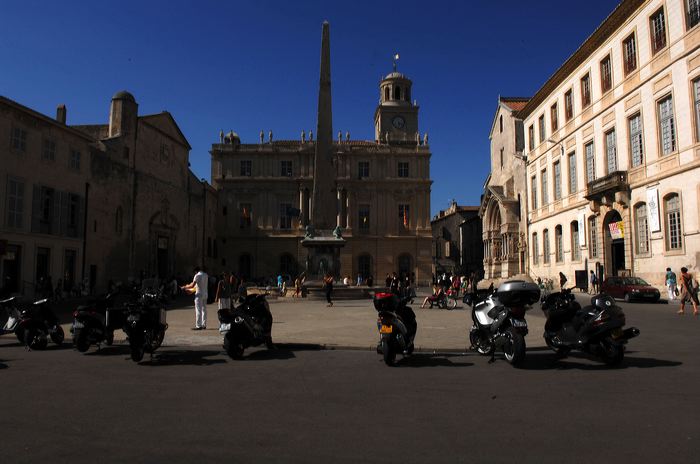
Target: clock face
{"type": "Point", "coordinates": [398, 122]}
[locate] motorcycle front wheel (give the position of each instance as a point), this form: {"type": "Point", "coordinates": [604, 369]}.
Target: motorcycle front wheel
{"type": "Point", "coordinates": [451, 304]}
{"type": "Point", "coordinates": [233, 347]}
{"type": "Point", "coordinates": [34, 340]}
{"type": "Point", "coordinates": [80, 340]}
{"type": "Point", "coordinates": [388, 352]}
{"type": "Point", "coordinates": [57, 336]}
{"type": "Point", "coordinates": [478, 343]}
{"type": "Point", "coordinates": [559, 350]}
{"type": "Point", "coordinates": [137, 347]}
{"type": "Point", "coordinates": [514, 348]}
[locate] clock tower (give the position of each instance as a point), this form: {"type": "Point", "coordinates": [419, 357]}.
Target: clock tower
{"type": "Point", "coordinates": [396, 116]}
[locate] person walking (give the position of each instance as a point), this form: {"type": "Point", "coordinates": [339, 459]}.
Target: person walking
{"type": "Point", "coordinates": [198, 286]}
{"type": "Point", "coordinates": [297, 287]}
{"type": "Point", "coordinates": [328, 287]}
{"type": "Point", "coordinates": [388, 280]}
{"type": "Point", "coordinates": [223, 291]}
{"type": "Point", "coordinates": [594, 283]}
{"type": "Point", "coordinates": [689, 291]}
{"type": "Point", "coordinates": [671, 283]}
{"type": "Point", "coordinates": [562, 280]}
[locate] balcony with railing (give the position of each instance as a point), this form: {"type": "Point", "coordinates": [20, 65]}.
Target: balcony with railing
{"type": "Point", "coordinates": [607, 186]}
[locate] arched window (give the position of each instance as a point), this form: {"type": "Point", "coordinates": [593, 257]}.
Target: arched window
{"type": "Point", "coordinates": [575, 242]}
{"type": "Point", "coordinates": [545, 246]}
{"type": "Point", "coordinates": [387, 93]}
{"type": "Point", "coordinates": [245, 266]}
{"type": "Point", "coordinates": [119, 221]}
{"type": "Point", "coordinates": [535, 249]}
{"type": "Point", "coordinates": [674, 226]}
{"type": "Point", "coordinates": [558, 244]}
{"type": "Point", "coordinates": [397, 93]}
{"type": "Point", "coordinates": [500, 121]}
{"type": "Point", "coordinates": [642, 232]}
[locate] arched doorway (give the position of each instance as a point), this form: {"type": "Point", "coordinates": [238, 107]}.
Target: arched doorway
{"type": "Point", "coordinates": [614, 243]}
{"type": "Point", "coordinates": [405, 265]}
{"type": "Point", "coordinates": [364, 266]}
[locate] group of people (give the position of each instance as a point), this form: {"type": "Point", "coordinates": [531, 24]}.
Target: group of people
{"type": "Point", "coordinates": [403, 285]}
{"type": "Point", "coordinates": [452, 286]}
{"type": "Point", "coordinates": [686, 289]}
{"type": "Point", "coordinates": [228, 287]}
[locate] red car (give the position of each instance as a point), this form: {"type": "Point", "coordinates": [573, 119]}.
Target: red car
{"type": "Point", "coordinates": [630, 288]}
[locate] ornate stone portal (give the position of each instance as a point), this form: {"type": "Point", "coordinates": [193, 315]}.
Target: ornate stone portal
{"type": "Point", "coordinates": [323, 238]}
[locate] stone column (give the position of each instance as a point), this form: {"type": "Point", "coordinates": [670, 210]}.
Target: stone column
{"type": "Point", "coordinates": [339, 208]}
{"type": "Point", "coordinates": [302, 208]}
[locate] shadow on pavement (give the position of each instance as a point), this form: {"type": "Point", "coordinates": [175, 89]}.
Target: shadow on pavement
{"type": "Point", "coordinates": [551, 361]}
{"type": "Point", "coordinates": [182, 357]}
{"type": "Point", "coordinates": [432, 360]}
{"type": "Point", "coordinates": [3, 365]}
{"type": "Point", "coordinates": [282, 351]}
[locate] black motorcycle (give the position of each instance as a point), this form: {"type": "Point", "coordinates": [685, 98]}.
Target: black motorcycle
{"type": "Point", "coordinates": [596, 329]}
{"type": "Point", "coordinates": [249, 324]}
{"type": "Point", "coordinates": [397, 326]}
{"type": "Point", "coordinates": [145, 324]}
{"type": "Point", "coordinates": [499, 319]}
{"type": "Point", "coordinates": [95, 323]}
{"type": "Point", "coordinates": [37, 323]}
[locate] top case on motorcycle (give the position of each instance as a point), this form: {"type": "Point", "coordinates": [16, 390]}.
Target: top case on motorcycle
{"type": "Point", "coordinates": [385, 301]}
{"type": "Point", "coordinates": [518, 293]}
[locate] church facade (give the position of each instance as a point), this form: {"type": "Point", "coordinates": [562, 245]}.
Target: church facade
{"type": "Point", "coordinates": [381, 196]}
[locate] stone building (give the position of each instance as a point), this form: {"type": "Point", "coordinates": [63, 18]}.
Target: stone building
{"type": "Point", "coordinates": [100, 202]}
{"type": "Point", "coordinates": [613, 148]}
{"type": "Point", "coordinates": [457, 241]}
{"type": "Point", "coordinates": [503, 202]}
{"type": "Point", "coordinates": [379, 192]}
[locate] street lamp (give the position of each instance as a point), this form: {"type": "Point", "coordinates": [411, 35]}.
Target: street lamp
{"type": "Point", "coordinates": [561, 145]}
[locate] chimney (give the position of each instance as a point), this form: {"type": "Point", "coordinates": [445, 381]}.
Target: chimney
{"type": "Point", "coordinates": [61, 113]}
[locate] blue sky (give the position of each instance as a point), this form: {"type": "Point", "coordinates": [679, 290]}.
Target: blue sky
{"type": "Point", "coordinates": [252, 65]}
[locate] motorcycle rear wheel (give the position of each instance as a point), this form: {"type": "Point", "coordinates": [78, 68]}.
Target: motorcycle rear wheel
{"type": "Point", "coordinates": [81, 342]}
{"type": "Point", "coordinates": [388, 352]}
{"type": "Point", "coordinates": [57, 336]}
{"type": "Point", "coordinates": [514, 348]}
{"type": "Point", "coordinates": [137, 351]}
{"type": "Point", "coordinates": [33, 340]}
{"type": "Point", "coordinates": [611, 353]}
{"type": "Point", "coordinates": [234, 349]}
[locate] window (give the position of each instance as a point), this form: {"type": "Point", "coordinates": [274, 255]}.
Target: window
{"type": "Point", "coordinates": [573, 186]}
{"type": "Point", "coordinates": [590, 162]}
{"type": "Point", "coordinates": [667, 126]}
{"type": "Point", "coordinates": [696, 100]}
{"type": "Point", "coordinates": [636, 139]}
{"type": "Point", "coordinates": [49, 150]}
{"type": "Point", "coordinates": [541, 126]}
{"type": "Point", "coordinates": [674, 229]}
{"type": "Point", "coordinates": [640, 215]}
{"type": "Point", "coordinates": [363, 219]}
{"type": "Point", "coordinates": [569, 105]}
{"type": "Point", "coordinates": [73, 214]}
{"type": "Point", "coordinates": [387, 94]}
{"type": "Point", "coordinates": [585, 91]}
{"type": "Point", "coordinates": [533, 189]}
{"type": "Point", "coordinates": [363, 169]}
{"type": "Point", "coordinates": [692, 8]}
{"type": "Point", "coordinates": [286, 168]}
{"type": "Point", "coordinates": [15, 203]}
{"type": "Point", "coordinates": [558, 244]}
{"type": "Point", "coordinates": [531, 137]}
{"type": "Point", "coordinates": [575, 243]}
{"type": "Point", "coordinates": [545, 192]}
{"type": "Point", "coordinates": [605, 74]}
{"type": "Point", "coordinates": [43, 208]}
{"type": "Point", "coordinates": [403, 169]}
{"type": "Point", "coordinates": [535, 250]}
{"type": "Point", "coordinates": [285, 216]}
{"type": "Point", "coordinates": [404, 216]}
{"type": "Point", "coordinates": [397, 93]}
{"type": "Point", "coordinates": [75, 160]}
{"type": "Point", "coordinates": [557, 181]}
{"type": "Point", "coordinates": [545, 246]}
{"type": "Point", "coordinates": [593, 238]}
{"type": "Point", "coordinates": [246, 215]}
{"type": "Point", "coordinates": [657, 26]}
{"type": "Point", "coordinates": [611, 151]}
{"type": "Point", "coordinates": [500, 122]}
{"type": "Point", "coordinates": [246, 168]}
{"type": "Point", "coordinates": [554, 117]}
{"type": "Point", "coordinates": [18, 141]}
{"type": "Point", "coordinates": [629, 52]}
{"type": "Point", "coordinates": [501, 158]}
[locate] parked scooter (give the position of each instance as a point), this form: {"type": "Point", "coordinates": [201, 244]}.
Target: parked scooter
{"type": "Point", "coordinates": [145, 324]}
{"type": "Point", "coordinates": [397, 326]}
{"type": "Point", "coordinates": [37, 323]}
{"type": "Point", "coordinates": [596, 329]}
{"type": "Point", "coordinates": [499, 319]}
{"type": "Point", "coordinates": [95, 323]}
{"type": "Point", "coordinates": [249, 324]}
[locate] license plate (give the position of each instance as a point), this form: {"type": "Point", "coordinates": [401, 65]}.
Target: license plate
{"type": "Point", "coordinates": [78, 325]}
{"type": "Point", "coordinates": [225, 327]}
{"type": "Point", "coordinates": [519, 323]}
{"type": "Point", "coordinates": [386, 329]}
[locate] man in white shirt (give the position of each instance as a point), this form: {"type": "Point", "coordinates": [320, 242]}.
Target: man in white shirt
{"type": "Point", "coordinates": [199, 286]}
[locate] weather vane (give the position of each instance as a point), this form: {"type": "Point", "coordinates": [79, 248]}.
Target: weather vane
{"type": "Point", "coordinates": [396, 58]}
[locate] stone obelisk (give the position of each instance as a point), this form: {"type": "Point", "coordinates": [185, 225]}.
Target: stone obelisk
{"type": "Point", "coordinates": [323, 204]}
